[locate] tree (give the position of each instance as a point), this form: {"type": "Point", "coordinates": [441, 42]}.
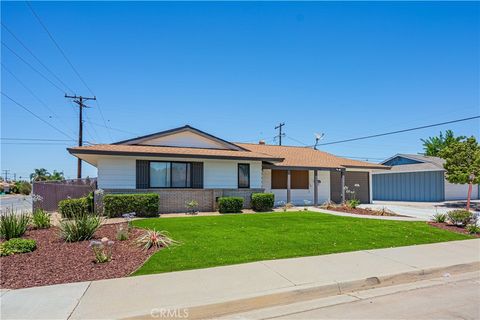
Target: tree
{"type": "Point", "coordinates": [434, 145]}
{"type": "Point", "coordinates": [57, 176]}
{"type": "Point", "coordinates": [462, 162]}
{"type": "Point", "coordinates": [40, 175]}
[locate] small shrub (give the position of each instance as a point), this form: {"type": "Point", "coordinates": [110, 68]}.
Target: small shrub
{"type": "Point", "coordinates": [17, 245]}
{"type": "Point", "coordinates": [102, 250]}
{"type": "Point", "coordinates": [192, 207]}
{"type": "Point", "coordinates": [13, 224]}
{"type": "Point", "coordinates": [353, 203]}
{"type": "Point", "coordinates": [439, 217]}
{"type": "Point", "coordinates": [155, 239]}
{"type": "Point", "coordinates": [460, 217]}
{"type": "Point", "coordinates": [80, 227]}
{"type": "Point", "coordinates": [143, 204]}
{"type": "Point", "coordinates": [230, 204]}
{"type": "Point", "coordinates": [122, 233]}
{"type": "Point", "coordinates": [90, 202]}
{"type": "Point", "coordinates": [69, 208]}
{"type": "Point", "coordinates": [263, 201]}
{"type": "Point", "coordinates": [473, 228]}
{"type": "Point", "coordinates": [128, 217]}
{"type": "Point", "coordinates": [41, 219]}
{"type": "Point", "coordinates": [23, 187]}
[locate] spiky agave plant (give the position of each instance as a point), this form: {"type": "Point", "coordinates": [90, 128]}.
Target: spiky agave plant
{"type": "Point", "coordinates": [155, 239]}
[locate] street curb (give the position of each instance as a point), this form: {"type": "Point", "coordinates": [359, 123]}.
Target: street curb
{"type": "Point", "coordinates": [298, 294]}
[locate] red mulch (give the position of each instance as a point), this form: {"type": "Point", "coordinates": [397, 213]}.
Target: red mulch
{"type": "Point", "coordinates": [55, 261]}
{"type": "Point", "coordinates": [450, 227]}
{"type": "Point", "coordinates": [362, 211]}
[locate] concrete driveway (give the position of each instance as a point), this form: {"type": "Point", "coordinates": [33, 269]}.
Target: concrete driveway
{"type": "Point", "coordinates": [421, 210]}
{"type": "Point", "coordinates": [18, 202]}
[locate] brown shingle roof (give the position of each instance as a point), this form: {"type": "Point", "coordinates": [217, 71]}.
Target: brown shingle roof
{"type": "Point", "coordinates": [119, 149]}
{"type": "Point", "coordinates": [307, 157]}
{"type": "Point", "coordinates": [282, 156]}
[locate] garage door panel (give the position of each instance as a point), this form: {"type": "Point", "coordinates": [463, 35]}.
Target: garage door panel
{"type": "Point", "coordinates": [409, 186]}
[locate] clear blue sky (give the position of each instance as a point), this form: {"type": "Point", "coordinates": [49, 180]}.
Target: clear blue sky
{"type": "Point", "coordinates": [237, 69]}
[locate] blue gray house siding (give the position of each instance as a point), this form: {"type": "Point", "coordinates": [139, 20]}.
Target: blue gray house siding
{"type": "Point", "coordinates": [425, 186]}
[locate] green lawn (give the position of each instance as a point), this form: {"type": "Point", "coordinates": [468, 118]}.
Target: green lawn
{"type": "Point", "coordinates": [230, 239]}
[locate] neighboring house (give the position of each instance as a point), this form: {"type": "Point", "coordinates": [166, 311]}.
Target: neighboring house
{"type": "Point", "coordinates": [414, 177]}
{"type": "Point", "coordinates": [185, 163]}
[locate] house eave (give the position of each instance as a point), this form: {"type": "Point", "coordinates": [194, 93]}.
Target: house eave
{"type": "Point", "coordinates": [167, 155]}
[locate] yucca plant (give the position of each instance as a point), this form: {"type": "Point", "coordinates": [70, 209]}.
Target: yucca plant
{"type": "Point", "coordinates": [155, 239]}
{"type": "Point", "coordinates": [81, 227]}
{"type": "Point", "coordinates": [41, 219]}
{"type": "Point", "coordinates": [13, 224]}
{"type": "Point", "coordinates": [439, 217]}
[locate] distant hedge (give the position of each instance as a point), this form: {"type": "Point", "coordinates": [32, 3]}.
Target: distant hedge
{"type": "Point", "coordinates": [263, 201]}
{"type": "Point", "coordinates": [143, 204]}
{"type": "Point", "coordinates": [70, 207]}
{"type": "Point", "coordinates": [230, 204]}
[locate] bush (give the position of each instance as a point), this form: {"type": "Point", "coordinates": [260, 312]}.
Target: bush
{"type": "Point", "coordinates": [122, 233]}
{"type": "Point", "coordinates": [143, 204]}
{"type": "Point", "coordinates": [41, 219]}
{"type": "Point", "coordinates": [24, 187]}
{"type": "Point", "coordinates": [69, 208]}
{"type": "Point", "coordinates": [353, 203]}
{"type": "Point", "coordinates": [460, 217]}
{"type": "Point", "coordinates": [230, 204]}
{"type": "Point", "coordinates": [13, 224]}
{"type": "Point", "coordinates": [17, 245]}
{"type": "Point", "coordinates": [439, 217]}
{"type": "Point", "coordinates": [81, 227]}
{"type": "Point", "coordinates": [473, 228]}
{"type": "Point", "coordinates": [263, 201]}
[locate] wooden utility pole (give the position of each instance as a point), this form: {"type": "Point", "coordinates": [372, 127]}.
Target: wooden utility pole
{"type": "Point", "coordinates": [280, 134]}
{"type": "Point", "coordinates": [79, 100]}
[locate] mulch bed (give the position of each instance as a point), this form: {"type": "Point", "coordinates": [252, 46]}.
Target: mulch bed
{"type": "Point", "coordinates": [450, 227]}
{"type": "Point", "coordinates": [362, 211]}
{"type": "Point", "coordinates": [55, 261]}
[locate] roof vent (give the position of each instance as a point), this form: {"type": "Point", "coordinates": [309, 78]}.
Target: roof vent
{"type": "Point", "coordinates": [261, 142]}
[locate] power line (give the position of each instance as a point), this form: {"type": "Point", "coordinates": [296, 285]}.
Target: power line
{"type": "Point", "coordinates": [36, 58]}
{"type": "Point", "coordinates": [69, 62]}
{"type": "Point", "coordinates": [30, 91]}
{"type": "Point", "coordinates": [399, 131]}
{"type": "Point", "coordinates": [36, 139]}
{"type": "Point", "coordinates": [298, 141]}
{"type": "Point", "coordinates": [32, 67]}
{"type": "Point", "coordinates": [36, 116]}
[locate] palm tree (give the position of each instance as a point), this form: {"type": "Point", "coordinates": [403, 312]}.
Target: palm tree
{"type": "Point", "coordinates": [57, 175]}
{"type": "Point", "coordinates": [40, 175]}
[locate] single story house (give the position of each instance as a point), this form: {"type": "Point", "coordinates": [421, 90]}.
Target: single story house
{"type": "Point", "coordinates": [414, 177]}
{"type": "Point", "coordinates": [185, 163]}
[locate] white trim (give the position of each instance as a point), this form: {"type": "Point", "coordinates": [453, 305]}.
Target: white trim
{"type": "Point", "coordinates": [409, 171]}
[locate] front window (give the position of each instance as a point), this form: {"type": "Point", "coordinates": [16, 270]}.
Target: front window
{"type": "Point", "coordinates": [243, 175]}
{"type": "Point", "coordinates": [170, 175]}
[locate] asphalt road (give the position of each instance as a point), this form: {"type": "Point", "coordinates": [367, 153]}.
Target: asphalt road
{"type": "Point", "coordinates": [18, 202]}
{"type": "Point", "coordinates": [452, 300]}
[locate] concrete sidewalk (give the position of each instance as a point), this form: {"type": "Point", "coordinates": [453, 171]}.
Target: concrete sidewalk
{"type": "Point", "coordinates": [141, 295]}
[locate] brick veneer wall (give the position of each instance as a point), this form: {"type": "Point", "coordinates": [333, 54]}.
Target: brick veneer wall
{"type": "Point", "coordinates": [174, 200]}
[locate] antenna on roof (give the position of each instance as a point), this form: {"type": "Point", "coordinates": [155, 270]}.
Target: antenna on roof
{"type": "Point", "coordinates": [318, 137]}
